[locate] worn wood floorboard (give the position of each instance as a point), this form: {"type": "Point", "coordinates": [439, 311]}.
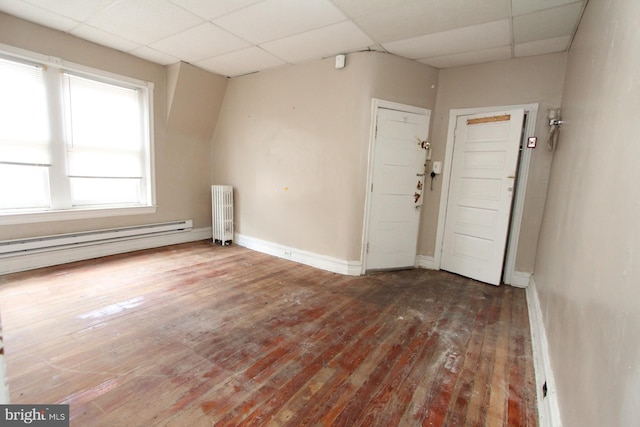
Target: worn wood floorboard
{"type": "Point", "coordinates": [202, 335]}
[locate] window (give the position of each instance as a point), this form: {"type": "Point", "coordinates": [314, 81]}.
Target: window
{"type": "Point", "coordinates": [72, 140]}
{"type": "Point", "coordinates": [24, 137]}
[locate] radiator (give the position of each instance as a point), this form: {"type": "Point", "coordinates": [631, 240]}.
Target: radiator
{"type": "Point", "coordinates": [85, 238]}
{"type": "Point", "coordinates": [222, 213]}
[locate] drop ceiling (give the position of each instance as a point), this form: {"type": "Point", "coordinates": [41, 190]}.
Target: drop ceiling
{"type": "Point", "coordinates": [236, 37]}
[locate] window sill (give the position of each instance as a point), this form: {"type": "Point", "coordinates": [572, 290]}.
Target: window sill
{"type": "Point", "coordinates": [72, 214]}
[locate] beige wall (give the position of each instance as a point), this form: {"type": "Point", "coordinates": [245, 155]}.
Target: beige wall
{"type": "Point", "coordinates": [181, 154]}
{"type": "Point", "coordinates": [587, 272]}
{"type": "Point", "coordinates": [401, 80]}
{"type": "Point", "coordinates": [294, 143]}
{"type": "Point", "coordinates": [529, 80]}
{"type": "Point", "coordinates": [194, 99]}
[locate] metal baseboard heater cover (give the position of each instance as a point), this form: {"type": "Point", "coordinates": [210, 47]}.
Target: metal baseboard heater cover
{"type": "Point", "coordinates": [85, 238]}
{"type": "Point", "coordinates": [222, 214]}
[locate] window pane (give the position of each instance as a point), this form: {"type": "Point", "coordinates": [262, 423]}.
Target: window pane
{"type": "Point", "coordinates": [24, 187]}
{"type": "Point", "coordinates": [24, 123]}
{"type": "Point", "coordinates": [104, 123]}
{"type": "Point", "coordinates": [104, 163]}
{"type": "Point", "coordinates": [104, 191]}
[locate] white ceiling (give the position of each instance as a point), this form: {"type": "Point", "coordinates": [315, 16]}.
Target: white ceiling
{"type": "Point", "coordinates": [236, 37]}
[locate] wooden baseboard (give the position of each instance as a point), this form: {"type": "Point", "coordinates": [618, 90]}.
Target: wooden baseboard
{"type": "Point", "coordinates": [335, 265]}
{"type": "Point", "coordinates": [548, 409]}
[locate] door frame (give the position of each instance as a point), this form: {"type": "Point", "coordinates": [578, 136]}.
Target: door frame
{"type": "Point", "coordinates": [511, 251]}
{"type": "Point", "coordinates": [377, 104]}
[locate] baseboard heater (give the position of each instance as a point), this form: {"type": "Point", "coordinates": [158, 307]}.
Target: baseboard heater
{"type": "Point", "coordinates": [86, 238]}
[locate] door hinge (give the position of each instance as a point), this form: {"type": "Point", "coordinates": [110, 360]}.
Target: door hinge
{"type": "Point", "coordinates": [367, 247]}
{"type": "Point", "coordinates": [372, 187]}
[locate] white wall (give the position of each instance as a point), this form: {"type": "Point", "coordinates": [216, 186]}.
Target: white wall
{"type": "Point", "coordinates": [588, 261]}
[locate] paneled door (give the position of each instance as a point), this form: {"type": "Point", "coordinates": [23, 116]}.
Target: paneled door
{"type": "Point", "coordinates": [483, 171]}
{"type": "Point", "coordinates": [399, 155]}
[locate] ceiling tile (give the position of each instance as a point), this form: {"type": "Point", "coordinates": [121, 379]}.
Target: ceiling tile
{"type": "Point", "coordinates": [556, 22]}
{"type": "Point", "coordinates": [285, 18]}
{"type": "Point", "coordinates": [240, 62]}
{"type": "Point", "coordinates": [95, 35]}
{"type": "Point", "coordinates": [154, 56]}
{"type": "Point", "coordinates": [204, 41]}
{"type": "Point", "coordinates": [483, 36]}
{"type": "Point", "coordinates": [79, 10]}
{"type": "Point", "coordinates": [36, 14]}
{"type": "Point", "coordinates": [540, 47]}
{"type": "Point", "coordinates": [235, 37]}
{"type": "Point", "coordinates": [209, 9]}
{"type": "Point", "coordinates": [144, 21]}
{"type": "Point", "coordinates": [355, 8]}
{"type": "Point", "coordinates": [522, 7]}
{"type": "Point", "coordinates": [467, 58]}
{"type": "Point", "coordinates": [338, 38]}
{"type": "Point", "coordinates": [412, 19]}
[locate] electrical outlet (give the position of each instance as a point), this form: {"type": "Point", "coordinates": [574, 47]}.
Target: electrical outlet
{"type": "Point", "coordinates": [287, 254]}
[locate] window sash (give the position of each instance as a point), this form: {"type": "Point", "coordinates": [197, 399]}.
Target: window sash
{"type": "Point", "coordinates": [98, 153]}
{"type": "Point", "coordinates": [24, 122]}
{"type": "Point", "coordinates": [103, 128]}
{"type": "Point", "coordinates": [33, 192]}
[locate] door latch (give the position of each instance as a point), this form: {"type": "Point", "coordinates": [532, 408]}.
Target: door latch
{"type": "Point", "coordinates": [425, 145]}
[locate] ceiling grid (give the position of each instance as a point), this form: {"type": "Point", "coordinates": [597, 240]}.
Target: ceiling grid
{"type": "Point", "coordinates": [236, 37]}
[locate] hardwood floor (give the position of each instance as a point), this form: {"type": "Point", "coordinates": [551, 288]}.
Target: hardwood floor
{"type": "Point", "coordinates": [197, 335]}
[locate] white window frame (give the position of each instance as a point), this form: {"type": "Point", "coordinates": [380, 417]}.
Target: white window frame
{"type": "Point", "coordinates": [34, 216]}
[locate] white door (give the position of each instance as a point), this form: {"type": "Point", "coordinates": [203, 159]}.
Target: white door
{"type": "Point", "coordinates": [396, 190]}
{"type": "Point", "coordinates": [483, 170]}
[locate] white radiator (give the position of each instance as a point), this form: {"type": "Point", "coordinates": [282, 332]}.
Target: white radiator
{"type": "Point", "coordinates": [222, 213]}
{"type": "Point", "coordinates": [84, 238]}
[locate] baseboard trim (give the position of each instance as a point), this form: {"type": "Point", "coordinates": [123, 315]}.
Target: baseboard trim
{"type": "Point", "coordinates": [520, 279]}
{"type": "Point", "coordinates": [62, 256]}
{"type": "Point", "coordinates": [323, 262]}
{"type": "Point", "coordinates": [428, 262]}
{"type": "Point", "coordinates": [548, 409]}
